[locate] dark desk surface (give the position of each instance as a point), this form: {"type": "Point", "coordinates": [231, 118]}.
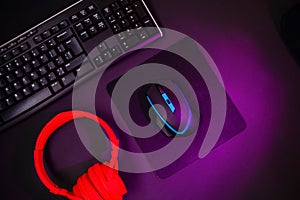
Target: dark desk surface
{"type": "Point", "coordinates": [263, 80]}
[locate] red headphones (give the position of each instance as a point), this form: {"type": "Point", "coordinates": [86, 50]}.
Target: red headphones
{"type": "Point", "coordinates": [100, 182]}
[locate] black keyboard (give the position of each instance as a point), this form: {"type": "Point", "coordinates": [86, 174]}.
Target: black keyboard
{"type": "Point", "coordinates": [43, 62]}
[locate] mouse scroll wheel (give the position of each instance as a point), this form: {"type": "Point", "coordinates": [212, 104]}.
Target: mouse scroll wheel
{"type": "Point", "coordinates": [168, 102]}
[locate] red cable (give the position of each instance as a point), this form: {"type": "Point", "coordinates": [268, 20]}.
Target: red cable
{"type": "Point", "coordinates": [48, 130]}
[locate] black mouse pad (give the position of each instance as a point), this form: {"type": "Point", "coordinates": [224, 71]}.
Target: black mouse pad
{"type": "Point", "coordinates": [234, 122]}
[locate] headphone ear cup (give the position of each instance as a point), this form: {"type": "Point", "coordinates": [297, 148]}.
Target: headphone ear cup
{"type": "Point", "coordinates": [107, 181]}
{"type": "Point", "coordinates": [84, 188]}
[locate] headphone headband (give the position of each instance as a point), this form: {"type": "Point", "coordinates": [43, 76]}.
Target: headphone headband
{"type": "Point", "coordinates": [49, 129]}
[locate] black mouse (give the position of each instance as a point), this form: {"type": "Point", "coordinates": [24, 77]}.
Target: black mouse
{"type": "Point", "coordinates": [173, 112]}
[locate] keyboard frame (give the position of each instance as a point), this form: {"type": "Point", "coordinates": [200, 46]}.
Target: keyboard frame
{"type": "Point", "coordinates": [86, 46]}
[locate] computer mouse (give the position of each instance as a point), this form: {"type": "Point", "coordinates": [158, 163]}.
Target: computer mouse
{"type": "Point", "coordinates": [171, 109]}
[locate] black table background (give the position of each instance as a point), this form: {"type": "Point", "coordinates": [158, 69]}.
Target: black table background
{"type": "Point", "coordinates": [263, 162]}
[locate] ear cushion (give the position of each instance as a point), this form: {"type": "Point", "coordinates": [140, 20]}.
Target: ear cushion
{"type": "Point", "coordinates": [100, 182]}
{"type": "Point", "coordinates": [107, 182]}
{"type": "Point", "coordinates": [85, 189]}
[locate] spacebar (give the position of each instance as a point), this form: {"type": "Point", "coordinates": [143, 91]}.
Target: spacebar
{"type": "Point", "coordinates": [25, 104]}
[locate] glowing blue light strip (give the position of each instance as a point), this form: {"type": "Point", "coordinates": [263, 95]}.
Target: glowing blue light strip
{"type": "Point", "coordinates": [166, 123]}
{"type": "Point", "coordinates": [168, 102]}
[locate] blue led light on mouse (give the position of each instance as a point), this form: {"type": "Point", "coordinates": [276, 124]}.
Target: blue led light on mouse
{"type": "Point", "coordinates": [178, 111]}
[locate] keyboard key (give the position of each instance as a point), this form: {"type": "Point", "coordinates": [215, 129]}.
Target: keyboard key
{"type": "Point", "coordinates": [106, 56]}
{"type": "Point", "coordinates": [51, 66]}
{"type": "Point", "coordinates": [43, 48]}
{"type": "Point", "coordinates": [68, 56]}
{"type": "Point", "coordinates": [18, 96]}
{"type": "Point", "coordinates": [98, 61]}
{"type": "Point", "coordinates": [12, 45]}
{"type": "Point", "coordinates": [60, 71]}
{"type": "Point", "coordinates": [137, 26]}
{"type": "Point", "coordinates": [18, 62]}
{"type": "Point", "coordinates": [9, 90]}
{"type": "Point", "coordinates": [74, 18]}
{"type": "Point", "coordinates": [51, 43]}
{"type": "Point", "coordinates": [59, 60]}
{"type": "Point", "coordinates": [143, 35]}
{"type": "Point", "coordinates": [42, 70]}
{"type": "Point", "coordinates": [84, 35]}
{"type": "Point", "coordinates": [22, 38]}
{"type": "Point", "coordinates": [111, 19]}
{"type": "Point", "coordinates": [26, 91]}
{"type": "Point", "coordinates": [87, 22]}
{"type": "Point", "coordinates": [83, 13]}
{"type": "Point", "coordinates": [34, 75]}
{"type": "Point", "coordinates": [43, 81]}
{"type": "Point", "coordinates": [79, 27]}
{"type": "Point", "coordinates": [31, 32]}
{"type": "Point", "coordinates": [101, 26]}
{"type": "Point", "coordinates": [115, 6]}
{"type": "Point", "coordinates": [68, 79]}
{"type": "Point", "coordinates": [61, 48]}
{"type": "Point", "coordinates": [84, 69]}
{"type": "Point", "coordinates": [43, 58]}
{"type": "Point", "coordinates": [139, 9]}
{"type": "Point", "coordinates": [52, 53]}
{"type": "Point", "coordinates": [56, 86]}
{"type": "Point", "coordinates": [46, 34]}
{"type": "Point", "coordinates": [26, 80]}
{"type": "Point", "coordinates": [26, 57]}
{"type": "Point", "coordinates": [102, 47]}
{"type": "Point", "coordinates": [54, 29]}
{"type": "Point", "coordinates": [19, 73]}
{"type": "Point", "coordinates": [125, 24]}
{"type": "Point", "coordinates": [63, 24]}
{"type": "Point", "coordinates": [74, 64]}
{"type": "Point", "coordinates": [34, 63]}
{"type": "Point", "coordinates": [35, 52]}
{"type": "Point", "coordinates": [34, 86]}
{"type": "Point", "coordinates": [6, 56]}
{"type": "Point", "coordinates": [121, 36]}
{"type": "Point", "coordinates": [96, 17]}
{"type": "Point", "coordinates": [107, 11]}
{"type": "Point", "coordinates": [10, 101]}
{"type": "Point", "coordinates": [148, 23]}
{"type": "Point", "coordinates": [37, 39]}
{"type": "Point", "coordinates": [9, 67]}
{"type": "Point", "coordinates": [27, 68]}
{"type": "Point", "coordinates": [26, 104]}
{"type": "Point", "coordinates": [51, 77]}
{"type": "Point", "coordinates": [91, 8]}
{"type": "Point", "coordinates": [93, 31]}
{"type": "Point", "coordinates": [120, 14]}
{"type": "Point", "coordinates": [10, 78]}
{"type": "Point", "coordinates": [64, 35]}
{"type": "Point", "coordinates": [3, 49]}
{"type": "Point", "coordinates": [116, 28]}
{"type": "Point", "coordinates": [116, 51]}
{"type": "Point", "coordinates": [15, 52]}
{"type": "Point", "coordinates": [17, 85]}
{"type": "Point", "coordinates": [131, 42]}
{"type": "Point", "coordinates": [124, 2]}
{"type": "Point", "coordinates": [128, 9]}
{"type": "Point", "coordinates": [24, 47]}
{"type": "Point", "coordinates": [133, 18]}
{"type": "Point", "coordinates": [74, 46]}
